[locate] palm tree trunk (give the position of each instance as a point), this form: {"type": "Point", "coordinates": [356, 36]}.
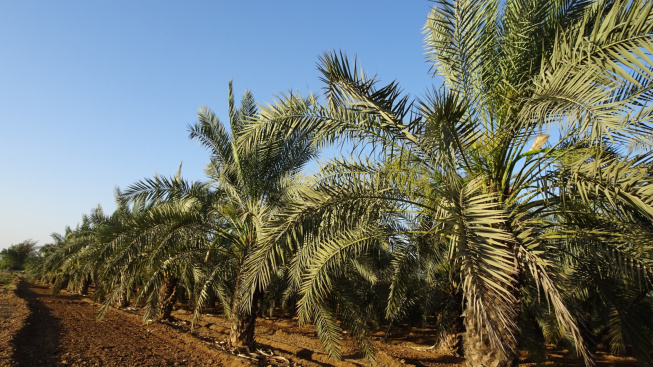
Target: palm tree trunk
{"type": "Point", "coordinates": [122, 300]}
{"type": "Point", "coordinates": [450, 342]}
{"type": "Point", "coordinates": [455, 343]}
{"type": "Point", "coordinates": [168, 297]}
{"type": "Point", "coordinates": [85, 284]}
{"type": "Point", "coordinates": [213, 304]}
{"type": "Point", "coordinates": [241, 334]}
{"type": "Point", "coordinates": [480, 353]}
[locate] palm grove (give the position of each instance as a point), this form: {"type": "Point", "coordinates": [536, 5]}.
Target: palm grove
{"type": "Point", "coordinates": [513, 203]}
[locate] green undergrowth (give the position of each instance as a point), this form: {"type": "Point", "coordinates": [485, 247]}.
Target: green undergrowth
{"type": "Point", "coordinates": [7, 280]}
{"type": "Point", "coordinates": [6, 277]}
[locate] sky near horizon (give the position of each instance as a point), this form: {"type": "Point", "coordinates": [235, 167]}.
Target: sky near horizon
{"type": "Point", "coordinates": [97, 95]}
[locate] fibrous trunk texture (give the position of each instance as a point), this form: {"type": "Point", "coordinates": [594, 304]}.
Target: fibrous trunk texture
{"type": "Point", "coordinates": [243, 323]}
{"type": "Point", "coordinates": [168, 296]}
{"type": "Point", "coordinates": [85, 284]}
{"type": "Point", "coordinates": [122, 300]}
{"type": "Point", "coordinates": [451, 342]}
{"type": "Point", "coordinates": [480, 353]}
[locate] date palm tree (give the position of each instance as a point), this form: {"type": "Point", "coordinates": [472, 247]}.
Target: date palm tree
{"type": "Point", "coordinates": [508, 214]}
{"type": "Point", "coordinates": [155, 245]}
{"type": "Point", "coordinates": [224, 217]}
{"type": "Point", "coordinates": [69, 264]}
{"type": "Point", "coordinates": [46, 267]}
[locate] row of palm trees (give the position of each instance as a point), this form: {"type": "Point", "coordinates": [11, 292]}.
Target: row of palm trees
{"type": "Point", "coordinates": [459, 205]}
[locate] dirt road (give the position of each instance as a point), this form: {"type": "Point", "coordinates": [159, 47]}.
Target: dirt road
{"type": "Point", "coordinates": [63, 330]}
{"type": "Point", "coordinates": [37, 329]}
{"type": "Point", "coordinates": [44, 330]}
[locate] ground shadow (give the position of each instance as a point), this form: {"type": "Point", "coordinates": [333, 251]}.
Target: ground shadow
{"type": "Point", "coordinates": [37, 343]}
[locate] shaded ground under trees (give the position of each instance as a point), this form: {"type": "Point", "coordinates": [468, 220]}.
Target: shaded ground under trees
{"type": "Point", "coordinates": [37, 329]}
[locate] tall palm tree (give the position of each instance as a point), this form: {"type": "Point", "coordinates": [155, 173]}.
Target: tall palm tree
{"type": "Point", "coordinates": [247, 188]}
{"type": "Point", "coordinates": [258, 183]}
{"type": "Point", "coordinates": [460, 156]}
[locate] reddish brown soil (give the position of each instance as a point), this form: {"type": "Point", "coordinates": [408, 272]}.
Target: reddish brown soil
{"type": "Point", "coordinates": [63, 330]}
{"type": "Point", "coordinates": [13, 313]}
{"type": "Point", "coordinates": [37, 329]}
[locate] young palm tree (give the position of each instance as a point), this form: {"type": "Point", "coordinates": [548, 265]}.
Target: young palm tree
{"type": "Point", "coordinates": [46, 267]}
{"type": "Point", "coordinates": [156, 245]}
{"type": "Point", "coordinates": [461, 156]}
{"type": "Point", "coordinates": [70, 263]}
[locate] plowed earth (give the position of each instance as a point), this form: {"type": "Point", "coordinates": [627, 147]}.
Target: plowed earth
{"type": "Point", "coordinates": [37, 329]}
{"type": "Point", "coordinates": [62, 330]}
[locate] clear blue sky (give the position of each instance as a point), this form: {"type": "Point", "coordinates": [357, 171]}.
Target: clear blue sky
{"type": "Point", "coordinates": [98, 94]}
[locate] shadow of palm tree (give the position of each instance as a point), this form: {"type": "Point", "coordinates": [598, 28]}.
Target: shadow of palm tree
{"type": "Point", "coordinates": [37, 342]}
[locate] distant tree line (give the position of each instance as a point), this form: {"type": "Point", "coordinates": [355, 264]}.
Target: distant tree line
{"type": "Point", "coordinates": [16, 256]}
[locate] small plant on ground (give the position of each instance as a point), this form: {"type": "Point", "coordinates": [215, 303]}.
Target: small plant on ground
{"type": "Point", "coordinates": [6, 277]}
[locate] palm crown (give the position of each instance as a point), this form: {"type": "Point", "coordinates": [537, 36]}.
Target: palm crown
{"type": "Point", "coordinates": [457, 166]}
{"type": "Point", "coordinates": [247, 189]}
